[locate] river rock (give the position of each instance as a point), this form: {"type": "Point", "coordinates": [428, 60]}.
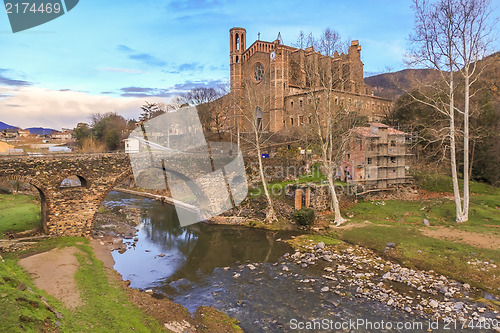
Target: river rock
{"type": "Point", "coordinates": [426, 222]}
{"type": "Point", "coordinates": [320, 245]}
{"type": "Point", "coordinates": [325, 289]}
{"type": "Point", "coordinates": [458, 306]}
{"type": "Point", "coordinates": [433, 304]}
{"type": "Point", "coordinates": [391, 245]}
{"type": "Point", "coordinates": [252, 267]}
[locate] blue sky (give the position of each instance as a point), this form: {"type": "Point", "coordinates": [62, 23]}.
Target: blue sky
{"type": "Point", "coordinates": [113, 55]}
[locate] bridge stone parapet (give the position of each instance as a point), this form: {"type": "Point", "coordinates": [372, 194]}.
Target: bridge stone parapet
{"type": "Point", "coordinates": [68, 211]}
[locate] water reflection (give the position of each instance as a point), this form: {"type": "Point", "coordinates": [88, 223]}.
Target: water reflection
{"type": "Point", "coordinates": [166, 252]}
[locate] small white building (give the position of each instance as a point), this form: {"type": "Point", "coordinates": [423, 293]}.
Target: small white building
{"type": "Point", "coordinates": [59, 149]}
{"type": "Point", "coordinates": [132, 145]}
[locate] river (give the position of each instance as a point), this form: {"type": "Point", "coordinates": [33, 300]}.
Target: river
{"type": "Point", "coordinates": [239, 271]}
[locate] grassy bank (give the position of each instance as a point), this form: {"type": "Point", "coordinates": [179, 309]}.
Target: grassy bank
{"type": "Point", "coordinates": [108, 306]}
{"type": "Point", "coordinates": [18, 213]}
{"type": "Point", "coordinates": [375, 223]}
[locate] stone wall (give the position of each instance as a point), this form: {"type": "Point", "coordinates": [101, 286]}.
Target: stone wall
{"type": "Point", "coordinates": [313, 196]}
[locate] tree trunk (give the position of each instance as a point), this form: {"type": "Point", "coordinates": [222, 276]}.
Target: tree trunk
{"type": "Point", "coordinates": [465, 211]}
{"type": "Point", "coordinates": [335, 201]}
{"type": "Point", "coordinates": [327, 165]}
{"type": "Point", "coordinates": [453, 156]}
{"type": "Point", "coordinates": [270, 216]}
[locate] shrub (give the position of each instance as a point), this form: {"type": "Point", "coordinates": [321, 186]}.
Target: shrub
{"type": "Point", "coordinates": [304, 216]}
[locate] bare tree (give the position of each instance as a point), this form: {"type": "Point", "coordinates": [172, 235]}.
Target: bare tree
{"type": "Point", "coordinates": [250, 119]}
{"type": "Point", "coordinates": [451, 35]}
{"type": "Point", "coordinates": [329, 42]}
{"type": "Point", "coordinates": [332, 122]}
{"type": "Point", "coordinates": [212, 110]}
{"type": "Point", "coordinates": [301, 41]}
{"type": "Point", "coordinates": [474, 28]}
{"type": "Point", "coordinates": [151, 110]}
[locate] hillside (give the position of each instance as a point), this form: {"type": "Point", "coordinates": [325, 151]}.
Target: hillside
{"type": "Point", "coordinates": [40, 130]}
{"type": "Point", "coordinates": [5, 126]}
{"type": "Point", "coordinates": [393, 85]}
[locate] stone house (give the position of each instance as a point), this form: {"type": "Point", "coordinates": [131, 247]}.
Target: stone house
{"type": "Point", "coordinates": [376, 157]}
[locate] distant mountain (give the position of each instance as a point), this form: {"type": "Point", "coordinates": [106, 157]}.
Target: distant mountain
{"type": "Point", "coordinates": [5, 126]}
{"type": "Point", "coordinates": [41, 130]}
{"type": "Point", "coordinates": [393, 85]}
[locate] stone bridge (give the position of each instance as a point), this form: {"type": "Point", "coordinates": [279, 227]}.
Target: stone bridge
{"type": "Point", "coordinates": [68, 211]}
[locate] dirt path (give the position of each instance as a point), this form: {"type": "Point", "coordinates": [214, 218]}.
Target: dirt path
{"type": "Point", "coordinates": [102, 252]}
{"type": "Point", "coordinates": [54, 271]}
{"type": "Point", "coordinates": [471, 238]}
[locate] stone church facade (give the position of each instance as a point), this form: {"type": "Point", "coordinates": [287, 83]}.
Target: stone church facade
{"type": "Point", "coordinates": [277, 82]}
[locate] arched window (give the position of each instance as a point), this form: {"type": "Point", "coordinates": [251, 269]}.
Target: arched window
{"type": "Point", "coordinates": [258, 116]}
{"type": "Point", "coordinates": [237, 42]}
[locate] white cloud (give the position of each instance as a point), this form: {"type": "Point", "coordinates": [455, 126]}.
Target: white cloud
{"type": "Point", "coordinates": [32, 106]}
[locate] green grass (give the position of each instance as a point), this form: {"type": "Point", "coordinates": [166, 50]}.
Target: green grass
{"type": "Point", "coordinates": [444, 257]}
{"type": "Point", "coordinates": [277, 189]}
{"type": "Point", "coordinates": [484, 215]}
{"type": "Point", "coordinates": [308, 239]}
{"type": "Point", "coordinates": [21, 310]}
{"type": "Point", "coordinates": [18, 213]}
{"type": "Point", "coordinates": [316, 176]}
{"type": "Point", "coordinates": [106, 306]}
{"type": "Point", "coordinates": [436, 182]}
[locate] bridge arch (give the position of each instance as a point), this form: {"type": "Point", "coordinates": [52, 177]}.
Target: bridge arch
{"type": "Point", "coordinates": [68, 181]}
{"type": "Point", "coordinates": [121, 177]}
{"type": "Point", "coordinates": [42, 190]}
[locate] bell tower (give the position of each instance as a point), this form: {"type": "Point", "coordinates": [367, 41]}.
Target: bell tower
{"type": "Point", "coordinates": [237, 46]}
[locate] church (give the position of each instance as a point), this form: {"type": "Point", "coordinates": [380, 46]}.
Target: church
{"type": "Point", "coordinates": [278, 81]}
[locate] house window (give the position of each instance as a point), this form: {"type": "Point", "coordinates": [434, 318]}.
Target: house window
{"type": "Point", "coordinates": [291, 104]}
{"type": "Point", "coordinates": [393, 143]}
{"type": "Point", "coordinates": [369, 160]}
{"type": "Point", "coordinates": [300, 102]}
{"type": "Point", "coordinates": [393, 159]}
{"type": "Point", "coordinates": [310, 120]}
{"type": "Point", "coordinates": [291, 121]}
{"type": "Point", "coordinates": [301, 120]}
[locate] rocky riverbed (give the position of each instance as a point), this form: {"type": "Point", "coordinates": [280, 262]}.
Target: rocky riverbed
{"type": "Point", "coordinates": [361, 273]}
